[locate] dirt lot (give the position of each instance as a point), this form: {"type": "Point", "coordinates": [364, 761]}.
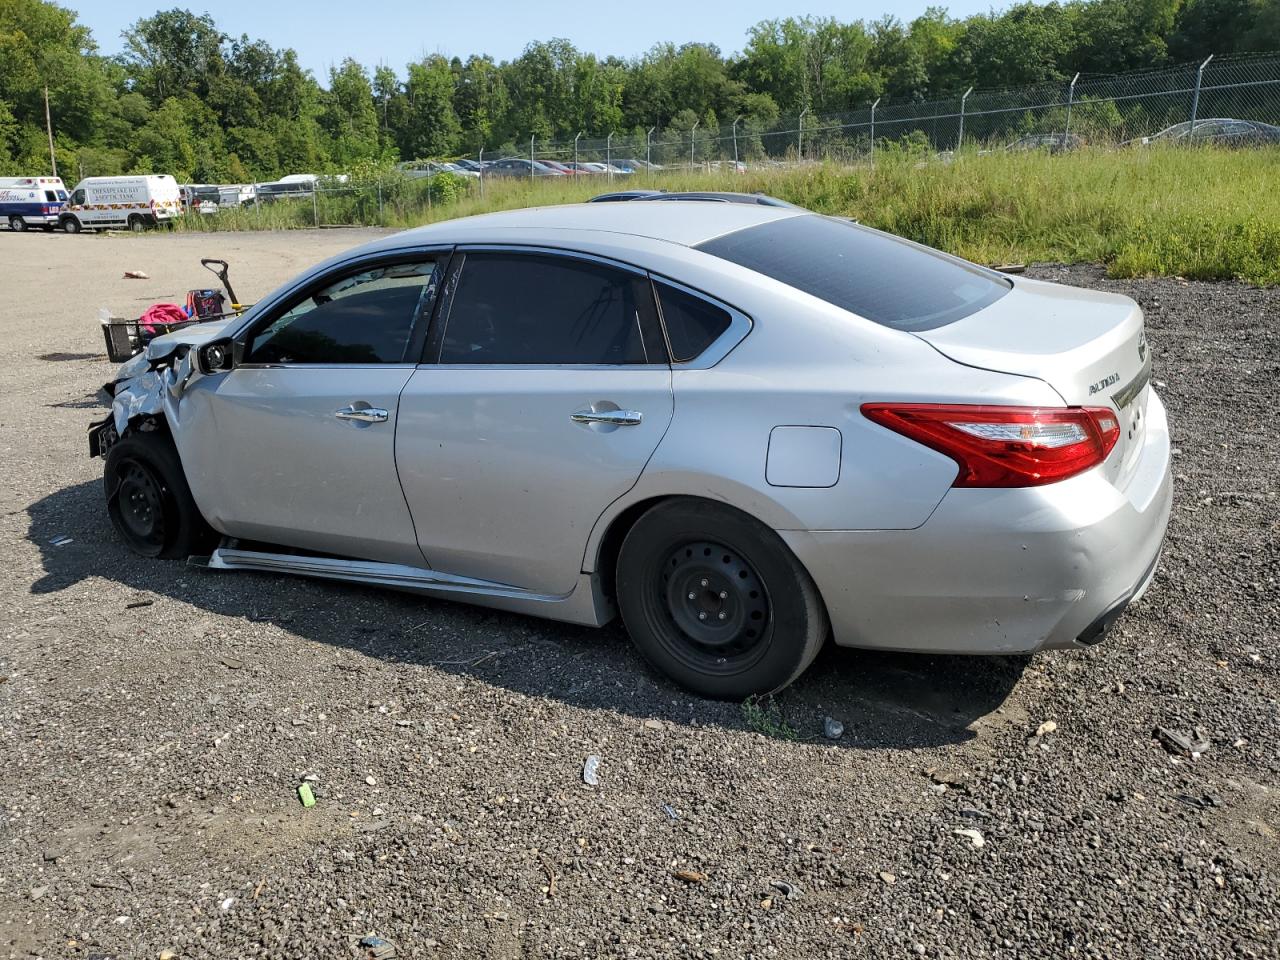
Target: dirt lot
{"type": "Point", "coordinates": [150, 754]}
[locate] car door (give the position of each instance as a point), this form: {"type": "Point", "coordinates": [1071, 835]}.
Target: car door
{"type": "Point", "coordinates": [295, 444]}
{"type": "Point", "coordinates": [550, 388]}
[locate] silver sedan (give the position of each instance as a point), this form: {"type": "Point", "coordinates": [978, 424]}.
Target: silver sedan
{"type": "Point", "coordinates": [743, 428]}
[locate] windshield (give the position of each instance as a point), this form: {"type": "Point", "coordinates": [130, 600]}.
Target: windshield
{"type": "Point", "coordinates": [875, 275]}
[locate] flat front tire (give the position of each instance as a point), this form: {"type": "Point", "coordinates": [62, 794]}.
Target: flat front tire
{"type": "Point", "coordinates": [715, 600]}
{"type": "Point", "coordinates": [148, 499]}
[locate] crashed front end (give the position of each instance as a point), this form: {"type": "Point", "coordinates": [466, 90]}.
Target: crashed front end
{"type": "Point", "coordinates": [146, 388]}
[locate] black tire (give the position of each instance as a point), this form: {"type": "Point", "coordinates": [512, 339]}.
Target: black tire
{"type": "Point", "coordinates": [70, 225]}
{"type": "Point", "coordinates": [17, 224]}
{"type": "Point", "coordinates": [137, 224]}
{"type": "Point", "coordinates": [149, 501]}
{"type": "Point", "coordinates": [716, 601]}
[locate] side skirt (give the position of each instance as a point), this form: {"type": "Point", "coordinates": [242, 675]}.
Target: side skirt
{"type": "Point", "coordinates": [586, 604]}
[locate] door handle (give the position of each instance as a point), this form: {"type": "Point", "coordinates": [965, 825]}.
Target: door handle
{"type": "Point", "coordinates": [362, 414]}
{"type": "Point", "coordinates": [619, 418]}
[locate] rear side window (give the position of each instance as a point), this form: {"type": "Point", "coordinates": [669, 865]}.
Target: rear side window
{"type": "Point", "coordinates": [692, 323]}
{"type": "Point", "coordinates": [875, 275]}
{"type": "Point", "coordinates": [522, 308]}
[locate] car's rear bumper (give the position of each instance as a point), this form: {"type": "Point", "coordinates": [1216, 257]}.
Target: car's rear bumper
{"type": "Point", "coordinates": [1001, 571]}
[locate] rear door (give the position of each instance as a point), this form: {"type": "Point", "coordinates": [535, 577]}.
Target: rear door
{"type": "Point", "coordinates": [548, 392]}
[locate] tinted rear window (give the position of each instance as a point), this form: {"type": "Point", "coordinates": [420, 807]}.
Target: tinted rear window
{"type": "Point", "coordinates": [692, 323]}
{"type": "Point", "coordinates": [872, 274]}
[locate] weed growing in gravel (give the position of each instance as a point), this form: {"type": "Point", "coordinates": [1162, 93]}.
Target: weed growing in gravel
{"type": "Point", "coordinates": [764, 716]}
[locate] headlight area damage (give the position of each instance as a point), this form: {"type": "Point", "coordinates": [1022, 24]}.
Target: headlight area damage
{"type": "Point", "coordinates": [148, 387]}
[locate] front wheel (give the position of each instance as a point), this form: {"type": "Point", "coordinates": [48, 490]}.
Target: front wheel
{"type": "Point", "coordinates": [70, 225]}
{"type": "Point", "coordinates": [715, 600]}
{"type": "Point", "coordinates": [17, 224]}
{"type": "Point", "coordinates": [137, 224]}
{"type": "Point", "coordinates": [148, 499]}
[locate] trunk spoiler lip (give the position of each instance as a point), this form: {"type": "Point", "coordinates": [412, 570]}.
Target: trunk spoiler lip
{"type": "Point", "coordinates": [1129, 392]}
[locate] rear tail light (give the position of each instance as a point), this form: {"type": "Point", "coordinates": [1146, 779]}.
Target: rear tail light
{"type": "Point", "coordinates": [1004, 446]}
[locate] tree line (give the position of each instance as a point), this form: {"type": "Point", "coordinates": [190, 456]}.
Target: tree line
{"type": "Point", "coordinates": [188, 99]}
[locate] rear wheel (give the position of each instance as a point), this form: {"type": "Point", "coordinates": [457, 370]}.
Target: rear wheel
{"type": "Point", "coordinates": [70, 225]}
{"type": "Point", "coordinates": [17, 224]}
{"type": "Point", "coordinates": [715, 600]}
{"type": "Point", "coordinates": [148, 499]}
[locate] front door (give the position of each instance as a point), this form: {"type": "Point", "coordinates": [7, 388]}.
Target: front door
{"type": "Point", "coordinates": [550, 393]}
{"type": "Point", "coordinates": [296, 444]}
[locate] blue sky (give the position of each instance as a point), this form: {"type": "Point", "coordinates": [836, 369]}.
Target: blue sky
{"type": "Point", "coordinates": [395, 32]}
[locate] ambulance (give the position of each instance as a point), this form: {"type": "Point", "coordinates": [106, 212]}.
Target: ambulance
{"type": "Point", "coordinates": [31, 201]}
{"type": "Point", "coordinates": [100, 203]}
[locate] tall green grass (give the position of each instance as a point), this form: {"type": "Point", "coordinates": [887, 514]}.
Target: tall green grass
{"type": "Point", "coordinates": [1196, 213]}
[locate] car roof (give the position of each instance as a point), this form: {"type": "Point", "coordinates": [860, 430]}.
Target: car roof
{"type": "Point", "coordinates": [686, 224]}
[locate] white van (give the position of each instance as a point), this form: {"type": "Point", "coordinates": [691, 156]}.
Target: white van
{"type": "Point", "coordinates": [98, 203]}
{"type": "Point", "coordinates": [31, 201]}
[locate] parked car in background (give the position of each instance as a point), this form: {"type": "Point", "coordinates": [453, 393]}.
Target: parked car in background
{"type": "Point", "coordinates": [720, 196]}
{"type": "Point", "coordinates": [136, 202]}
{"type": "Point", "coordinates": [234, 195]}
{"type": "Point", "coordinates": [266, 193]}
{"type": "Point", "coordinates": [637, 166]}
{"type": "Point", "coordinates": [745, 428]}
{"type": "Point", "coordinates": [475, 166]}
{"type": "Point", "coordinates": [201, 198]}
{"type": "Point", "coordinates": [582, 167]}
{"type": "Point", "coordinates": [599, 167]}
{"type": "Point", "coordinates": [433, 168]}
{"type": "Point", "coordinates": [1053, 142]}
{"type": "Point", "coordinates": [1219, 131]}
{"type": "Point", "coordinates": [562, 167]}
{"type": "Point", "coordinates": [521, 167]}
{"type": "Point", "coordinates": [31, 202]}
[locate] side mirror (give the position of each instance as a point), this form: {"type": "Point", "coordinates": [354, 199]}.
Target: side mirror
{"type": "Point", "coordinates": [215, 356]}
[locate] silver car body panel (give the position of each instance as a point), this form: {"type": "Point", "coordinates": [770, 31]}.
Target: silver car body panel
{"type": "Point", "coordinates": [488, 490]}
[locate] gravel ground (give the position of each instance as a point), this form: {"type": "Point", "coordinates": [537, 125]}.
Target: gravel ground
{"type": "Point", "coordinates": [150, 754]}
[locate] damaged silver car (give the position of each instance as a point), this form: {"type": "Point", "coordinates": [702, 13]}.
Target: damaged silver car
{"type": "Point", "coordinates": [744, 428]}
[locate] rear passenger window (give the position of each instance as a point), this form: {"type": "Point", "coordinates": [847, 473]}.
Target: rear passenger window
{"type": "Point", "coordinates": [519, 308]}
{"type": "Point", "coordinates": [693, 323]}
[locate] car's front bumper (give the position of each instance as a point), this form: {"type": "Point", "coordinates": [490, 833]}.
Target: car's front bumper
{"type": "Point", "coordinates": [1001, 571]}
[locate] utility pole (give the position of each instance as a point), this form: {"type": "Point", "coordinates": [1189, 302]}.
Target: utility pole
{"type": "Point", "coordinates": [575, 149]}
{"type": "Point", "coordinates": [481, 162]}
{"type": "Point", "coordinates": [48, 125]}
{"type": "Point", "coordinates": [531, 136]}
{"type": "Point", "coordinates": [735, 142]}
{"type": "Point", "coordinates": [800, 136]}
{"type": "Point", "coordinates": [691, 133]}
{"type": "Point", "coordinates": [608, 155]}
{"type": "Point", "coordinates": [648, 149]}
{"type": "Point", "coordinates": [873, 131]}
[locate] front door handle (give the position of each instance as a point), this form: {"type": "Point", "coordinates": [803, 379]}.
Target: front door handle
{"type": "Point", "coordinates": [362, 414]}
{"type": "Point", "coordinates": [619, 418]}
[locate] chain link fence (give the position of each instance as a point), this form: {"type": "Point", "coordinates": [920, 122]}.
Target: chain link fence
{"type": "Point", "coordinates": [1108, 110]}
{"type": "Point", "coordinates": [1193, 99]}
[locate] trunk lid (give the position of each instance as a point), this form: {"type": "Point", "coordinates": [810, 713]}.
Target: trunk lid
{"type": "Point", "coordinates": [1091, 347]}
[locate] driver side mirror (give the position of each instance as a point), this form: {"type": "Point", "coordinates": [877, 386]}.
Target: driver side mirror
{"type": "Point", "coordinates": [215, 356]}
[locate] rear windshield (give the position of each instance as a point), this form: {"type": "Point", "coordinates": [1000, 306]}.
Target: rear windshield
{"type": "Point", "coordinates": [875, 275]}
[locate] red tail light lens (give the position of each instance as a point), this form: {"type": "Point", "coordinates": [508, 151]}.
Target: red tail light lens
{"type": "Point", "coordinates": [1004, 446]}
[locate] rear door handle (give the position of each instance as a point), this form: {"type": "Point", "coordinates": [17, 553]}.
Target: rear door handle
{"type": "Point", "coordinates": [362, 414]}
{"type": "Point", "coordinates": [619, 418]}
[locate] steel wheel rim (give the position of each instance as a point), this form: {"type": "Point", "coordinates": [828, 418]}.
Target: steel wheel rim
{"type": "Point", "coordinates": [140, 505]}
{"type": "Point", "coordinates": [716, 606]}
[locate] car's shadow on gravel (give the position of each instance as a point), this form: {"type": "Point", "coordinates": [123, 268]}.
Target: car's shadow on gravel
{"type": "Point", "coordinates": [883, 700]}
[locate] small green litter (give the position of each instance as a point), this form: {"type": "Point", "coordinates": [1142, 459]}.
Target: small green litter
{"type": "Point", "coordinates": [306, 796]}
